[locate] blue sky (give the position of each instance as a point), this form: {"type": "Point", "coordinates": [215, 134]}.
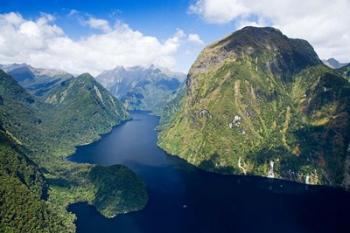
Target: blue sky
{"type": "Point", "coordinates": [156, 18]}
{"type": "Point", "coordinates": [159, 18]}
{"type": "Point", "coordinates": [95, 35]}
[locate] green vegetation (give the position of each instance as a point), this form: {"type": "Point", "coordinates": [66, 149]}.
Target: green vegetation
{"type": "Point", "coordinates": [118, 190]}
{"type": "Point", "coordinates": [38, 183]}
{"type": "Point", "coordinates": [23, 211]}
{"type": "Point", "coordinates": [258, 98]}
{"type": "Point", "coordinates": [22, 192]}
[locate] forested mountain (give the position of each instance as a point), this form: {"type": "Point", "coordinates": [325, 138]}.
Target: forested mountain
{"type": "Point", "coordinates": [257, 102]}
{"type": "Point", "coordinates": [36, 137]}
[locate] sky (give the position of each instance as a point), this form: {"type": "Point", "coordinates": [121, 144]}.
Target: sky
{"type": "Point", "coordinates": [92, 36]}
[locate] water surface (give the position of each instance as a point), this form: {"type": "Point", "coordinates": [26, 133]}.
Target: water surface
{"type": "Point", "coordinates": [184, 199]}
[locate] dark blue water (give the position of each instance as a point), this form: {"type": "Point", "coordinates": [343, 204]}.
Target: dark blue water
{"type": "Point", "coordinates": [184, 199]}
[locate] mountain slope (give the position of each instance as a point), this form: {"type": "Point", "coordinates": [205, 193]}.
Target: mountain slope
{"type": "Point", "coordinates": [142, 88]}
{"type": "Point", "coordinates": [22, 192]}
{"type": "Point", "coordinates": [77, 112]}
{"type": "Point", "coordinates": [19, 111]}
{"type": "Point", "coordinates": [260, 103]}
{"type": "Point", "coordinates": [85, 108]}
{"type": "Point", "coordinates": [23, 186]}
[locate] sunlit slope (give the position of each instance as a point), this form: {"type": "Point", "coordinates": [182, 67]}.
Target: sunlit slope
{"type": "Point", "coordinates": [260, 103]}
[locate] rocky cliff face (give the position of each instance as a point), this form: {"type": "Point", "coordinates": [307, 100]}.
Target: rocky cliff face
{"type": "Point", "coordinates": [260, 103]}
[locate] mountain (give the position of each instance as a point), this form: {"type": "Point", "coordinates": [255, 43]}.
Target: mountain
{"type": "Point", "coordinates": [260, 103]}
{"type": "Point", "coordinates": [23, 186]}
{"type": "Point", "coordinates": [36, 80]}
{"type": "Point", "coordinates": [142, 88]}
{"type": "Point", "coordinates": [37, 134]}
{"type": "Point", "coordinates": [86, 109]}
{"type": "Point", "coordinates": [19, 111]}
{"type": "Point", "coordinates": [333, 63]}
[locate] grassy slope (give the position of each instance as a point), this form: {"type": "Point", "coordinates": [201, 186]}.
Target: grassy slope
{"type": "Point", "coordinates": [295, 114]}
{"type": "Point", "coordinates": [76, 113]}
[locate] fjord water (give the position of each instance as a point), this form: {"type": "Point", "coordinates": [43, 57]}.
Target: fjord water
{"type": "Point", "coordinates": [184, 199]}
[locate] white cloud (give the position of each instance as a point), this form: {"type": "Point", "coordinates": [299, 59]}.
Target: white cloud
{"type": "Point", "coordinates": [325, 24]}
{"type": "Point", "coordinates": [195, 38]}
{"type": "Point", "coordinates": [73, 12]}
{"type": "Point", "coordinates": [173, 43]}
{"type": "Point", "coordinates": [42, 43]}
{"type": "Point", "coordinates": [100, 24]}
{"type": "Point", "coordinates": [219, 11]}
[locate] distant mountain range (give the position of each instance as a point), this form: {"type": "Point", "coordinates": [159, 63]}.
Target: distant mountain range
{"type": "Point", "coordinates": [333, 63]}
{"type": "Point", "coordinates": [142, 88]}
{"type": "Point", "coordinates": [138, 88]}
{"type": "Point", "coordinates": [260, 103]}
{"type": "Point", "coordinates": [37, 81]}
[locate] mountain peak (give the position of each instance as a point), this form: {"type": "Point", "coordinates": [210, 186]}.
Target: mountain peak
{"type": "Point", "coordinates": [85, 76]}
{"type": "Point", "coordinates": [253, 36]}
{"type": "Point", "coordinates": [259, 31]}
{"type": "Point", "coordinates": [85, 79]}
{"type": "Point", "coordinates": [334, 63]}
{"type": "Point", "coordinates": [264, 45]}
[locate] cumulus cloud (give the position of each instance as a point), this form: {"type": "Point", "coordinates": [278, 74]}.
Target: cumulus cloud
{"type": "Point", "coordinates": [195, 38]}
{"type": "Point", "coordinates": [325, 24]}
{"type": "Point", "coordinates": [42, 43]}
{"type": "Point", "coordinates": [219, 11]}
{"type": "Point", "coordinates": [100, 24]}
